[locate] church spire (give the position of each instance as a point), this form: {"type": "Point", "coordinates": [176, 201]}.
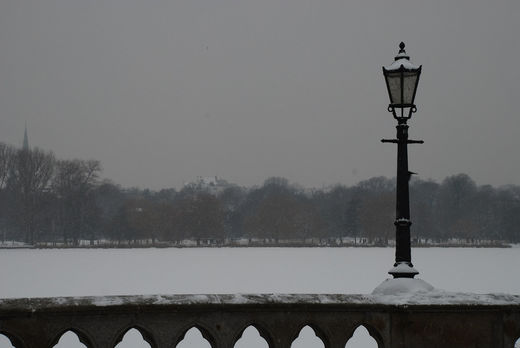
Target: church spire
{"type": "Point", "coordinates": [25, 138]}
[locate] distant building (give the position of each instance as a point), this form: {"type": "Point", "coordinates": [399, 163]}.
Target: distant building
{"type": "Point", "coordinates": [210, 184]}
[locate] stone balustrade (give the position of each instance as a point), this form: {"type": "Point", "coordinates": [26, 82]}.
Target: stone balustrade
{"type": "Point", "coordinates": [449, 320]}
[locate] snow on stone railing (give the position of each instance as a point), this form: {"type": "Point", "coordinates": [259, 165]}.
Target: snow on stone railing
{"type": "Point", "coordinates": [395, 320]}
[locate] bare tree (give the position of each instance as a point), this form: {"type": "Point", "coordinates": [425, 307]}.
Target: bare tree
{"type": "Point", "coordinates": [7, 154]}
{"type": "Point", "coordinates": [200, 216]}
{"type": "Point", "coordinates": [376, 217]}
{"type": "Point", "coordinates": [455, 201]}
{"type": "Point", "coordinates": [28, 180]}
{"type": "Point", "coordinates": [73, 184]}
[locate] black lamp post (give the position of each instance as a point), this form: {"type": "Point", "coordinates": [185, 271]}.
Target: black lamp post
{"type": "Point", "coordinates": [402, 78]}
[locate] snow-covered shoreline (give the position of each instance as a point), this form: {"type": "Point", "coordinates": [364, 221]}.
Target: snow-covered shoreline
{"type": "Point", "coordinates": [254, 243]}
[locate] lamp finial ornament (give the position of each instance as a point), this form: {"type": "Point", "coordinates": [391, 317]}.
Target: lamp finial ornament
{"type": "Point", "coordinates": [402, 53]}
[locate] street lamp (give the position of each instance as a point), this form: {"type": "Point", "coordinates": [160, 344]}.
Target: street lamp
{"type": "Point", "coordinates": [402, 78]}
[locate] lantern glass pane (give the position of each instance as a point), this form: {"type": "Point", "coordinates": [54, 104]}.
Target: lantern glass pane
{"type": "Point", "coordinates": [410, 81]}
{"type": "Point", "coordinates": [394, 87]}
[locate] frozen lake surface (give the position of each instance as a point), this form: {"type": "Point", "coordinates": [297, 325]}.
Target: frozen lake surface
{"type": "Point", "coordinates": [78, 272]}
{"type": "Point", "coordinates": [84, 272]}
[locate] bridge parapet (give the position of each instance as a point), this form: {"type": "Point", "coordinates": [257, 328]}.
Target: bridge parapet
{"type": "Point", "coordinates": [444, 320]}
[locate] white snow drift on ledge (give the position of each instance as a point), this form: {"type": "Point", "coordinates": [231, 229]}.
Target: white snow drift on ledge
{"type": "Point", "coordinates": [410, 291]}
{"type": "Point", "coordinates": [403, 287]}
{"type": "Point", "coordinates": [396, 292]}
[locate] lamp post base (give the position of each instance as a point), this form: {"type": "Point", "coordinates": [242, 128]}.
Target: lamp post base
{"type": "Point", "coordinates": [403, 270]}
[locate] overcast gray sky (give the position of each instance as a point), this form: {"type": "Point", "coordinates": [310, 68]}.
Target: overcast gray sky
{"type": "Point", "coordinates": [162, 91]}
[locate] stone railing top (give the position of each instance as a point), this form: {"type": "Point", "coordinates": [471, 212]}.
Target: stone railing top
{"type": "Point", "coordinates": [433, 298]}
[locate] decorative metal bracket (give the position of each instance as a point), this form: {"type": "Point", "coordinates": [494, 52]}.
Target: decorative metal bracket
{"type": "Point", "coordinates": [412, 110]}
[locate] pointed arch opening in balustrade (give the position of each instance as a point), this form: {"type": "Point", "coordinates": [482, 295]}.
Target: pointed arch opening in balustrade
{"type": "Point", "coordinates": [364, 336]}
{"type": "Point", "coordinates": [195, 336]}
{"type": "Point", "coordinates": [71, 338]}
{"type": "Point", "coordinates": [361, 338]}
{"type": "Point", "coordinates": [310, 336]}
{"type": "Point", "coordinates": [9, 341]}
{"type": "Point", "coordinates": [517, 343]}
{"type": "Point", "coordinates": [135, 336]}
{"type": "Point", "coordinates": [253, 336]}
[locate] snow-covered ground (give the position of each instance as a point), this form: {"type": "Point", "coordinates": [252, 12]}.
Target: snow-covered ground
{"type": "Point", "coordinates": [86, 272]}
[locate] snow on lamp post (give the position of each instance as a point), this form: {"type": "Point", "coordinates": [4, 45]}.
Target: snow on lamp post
{"type": "Point", "coordinates": [402, 78]}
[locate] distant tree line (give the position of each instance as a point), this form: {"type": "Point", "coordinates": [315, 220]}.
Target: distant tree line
{"type": "Point", "coordinates": [47, 200]}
